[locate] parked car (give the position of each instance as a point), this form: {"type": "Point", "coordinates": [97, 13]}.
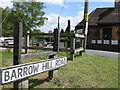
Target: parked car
{"type": "Point", "coordinates": [8, 42]}
{"type": "Point", "coordinates": [1, 42]}
{"type": "Point", "coordinates": [40, 41]}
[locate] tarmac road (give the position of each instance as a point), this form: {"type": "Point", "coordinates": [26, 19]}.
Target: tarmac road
{"type": "Point", "coordinates": [115, 55]}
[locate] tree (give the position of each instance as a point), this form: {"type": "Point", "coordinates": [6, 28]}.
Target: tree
{"type": "Point", "coordinates": [62, 31]}
{"type": "Point", "coordinates": [68, 27]}
{"type": "Point", "coordinates": [29, 13]}
{"type": "Point", "coordinates": [7, 26]}
{"type": "Point", "coordinates": [118, 4]}
{"type": "Point", "coordinates": [36, 31]}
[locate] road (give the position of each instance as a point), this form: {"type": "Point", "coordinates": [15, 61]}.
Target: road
{"type": "Point", "coordinates": [115, 55]}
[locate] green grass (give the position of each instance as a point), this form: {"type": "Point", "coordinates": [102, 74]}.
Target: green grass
{"type": "Point", "coordinates": [7, 59]}
{"type": "Point", "coordinates": [85, 72]}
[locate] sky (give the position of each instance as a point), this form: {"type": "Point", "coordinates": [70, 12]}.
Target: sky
{"type": "Point", "coordinates": [71, 10]}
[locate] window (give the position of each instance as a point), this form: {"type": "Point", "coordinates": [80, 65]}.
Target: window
{"type": "Point", "coordinates": [107, 33]}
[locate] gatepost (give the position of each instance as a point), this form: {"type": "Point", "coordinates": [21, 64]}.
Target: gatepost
{"type": "Point", "coordinates": [20, 84]}
{"type": "Point", "coordinates": [72, 47]}
{"type": "Point", "coordinates": [56, 37]}
{"type": "Point", "coordinates": [0, 36]}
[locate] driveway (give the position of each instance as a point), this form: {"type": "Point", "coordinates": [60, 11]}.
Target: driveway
{"type": "Point", "coordinates": [115, 55]}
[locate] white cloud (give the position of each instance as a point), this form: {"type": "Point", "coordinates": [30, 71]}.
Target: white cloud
{"type": "Point", "coordinates": [80, 6]}
{"type": "Point", "coordinates": [56, 2]}
{"type": "Point", "coordinates": [60, 1]}
{"type": "Point", "coordinates": [5, 0]}
{"type": "Point", "coordinates": [53, 18]}
{"type": "Point", "coordinates": [6, 3]}
{"type": "Point", "coordinates": [51, 23]}
{"type": "Point", "coordinates": [77, 19]}
{"type": "Point", "coordinates": [90, 0]}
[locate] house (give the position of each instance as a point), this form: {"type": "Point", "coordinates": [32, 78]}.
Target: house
{"type": "Point", "coordinates": [103, 28]}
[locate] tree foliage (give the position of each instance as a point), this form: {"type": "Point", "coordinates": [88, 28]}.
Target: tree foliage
{"type": "Point", "coordinates": [62, 31]}
{"type": "Point", "coordinates": [29, 13]}
{"type": "Point", "coordinates": [68, 27]}
{"type": "Point", "coordinates": [7, 25]}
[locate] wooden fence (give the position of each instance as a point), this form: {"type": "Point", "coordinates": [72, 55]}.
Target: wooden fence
{"type": "Point", "coordinates": [71, 37]}
{"type": "Point", "coordinates": [20, 72]}
{"type": "Point", "coordinates": [74, 42]}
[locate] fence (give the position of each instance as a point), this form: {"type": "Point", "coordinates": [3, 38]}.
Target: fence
{"type": "Point", "coordinates": [20, 72]}
{"type": "Point", "coordinates": [74, 42]}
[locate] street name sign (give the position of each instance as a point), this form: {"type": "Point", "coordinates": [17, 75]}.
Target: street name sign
{"type": "Point", "coordinates": [21, 71]}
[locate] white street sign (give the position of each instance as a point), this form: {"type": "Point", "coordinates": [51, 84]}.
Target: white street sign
{"type": "Point", "coordinates": [21, 71]}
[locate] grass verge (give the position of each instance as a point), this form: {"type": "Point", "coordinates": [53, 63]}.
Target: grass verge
{"type": "Point", "coordinates": [85, 72]}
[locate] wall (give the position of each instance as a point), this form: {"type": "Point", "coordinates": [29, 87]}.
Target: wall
{"type": "Point", "coordinates": [115, 33]}
{"type": "Point", "coordinates": [93, 34]}
{"type": "Point", "coordinates": [101, 34]}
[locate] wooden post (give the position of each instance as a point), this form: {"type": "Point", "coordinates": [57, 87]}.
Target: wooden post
{"type": "Point", "coordinates": [1, 87]}
{"type": "Point", "coordinates": [33, 38]}
{"type": "Point", "coordinates": [28, 39]}
{"type": "Point", "coordinates": [56, 40]}
{"type": "Point", "coordinates": [25, 41]}
{"type": "Point", "coordinates": [68, 31]}
{"type": "Point", "coordinates": [21, 84]}
{"type": "Point", "coordinates": [118, 47]}
{"type": "Point", "coordinates": [81, 45]}
{"type": "Point", "coordinates": [0, 36]}
{"type": "Point", "coordinates": [80, 53]}
{"type": "Point", "coordinates": [52, 73]}
{"type": "Point", "coordinates": [72, 48]}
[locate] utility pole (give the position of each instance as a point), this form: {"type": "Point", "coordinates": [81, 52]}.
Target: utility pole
{"type": "Point", "coordinates": [85, 26]}
{"type": "Point", "coordinates": [58, 23]}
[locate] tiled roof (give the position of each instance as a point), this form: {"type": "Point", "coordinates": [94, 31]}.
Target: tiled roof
{"type": "Point", "coordinates": [111, 18]}
{"type": "Point", "coordinates": [103, 16]}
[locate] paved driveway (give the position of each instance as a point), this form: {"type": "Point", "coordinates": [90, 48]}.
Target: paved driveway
{"type": "Point", "coordinates": [103, 53]}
